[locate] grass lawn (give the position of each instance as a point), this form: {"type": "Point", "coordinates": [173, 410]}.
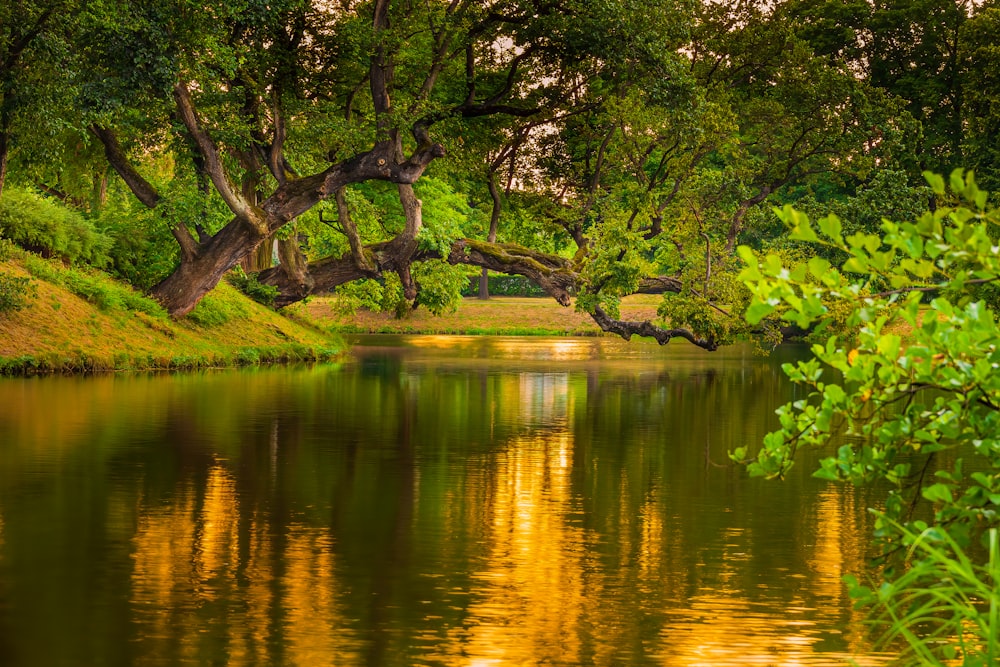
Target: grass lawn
{"type": "Point", "coordinates": [499, 315]}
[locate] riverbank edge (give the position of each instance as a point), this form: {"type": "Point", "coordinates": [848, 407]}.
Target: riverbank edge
{"type": "Point", "coordinates": [83, 363]}
{"type": "Point", "coordinates": [74, 320]}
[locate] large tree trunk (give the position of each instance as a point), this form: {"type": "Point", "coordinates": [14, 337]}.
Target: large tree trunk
{"type": "Point", "coordinates": [294, 265]}
{"type": "Point", "coordinates": [491, 237]}
{"type": "Point", "coordinates": [201, 270]}
{"type": "Point", "coordinates": [260, 259]}
{"type": "Point", "coordinates": [393, 256]}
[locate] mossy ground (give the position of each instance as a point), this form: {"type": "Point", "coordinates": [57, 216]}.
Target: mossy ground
{"type": "Point", "coordinates": [498, 315]}
{"type": "Point", "coordinates": [112, 328]}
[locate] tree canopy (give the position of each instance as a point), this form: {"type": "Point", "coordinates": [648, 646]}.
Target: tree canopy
{"type": "Point", "coordinates": [596, 148]}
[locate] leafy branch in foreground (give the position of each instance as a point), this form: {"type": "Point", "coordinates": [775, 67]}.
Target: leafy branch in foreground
{"type": "Point", "coordinates": [912, 387]}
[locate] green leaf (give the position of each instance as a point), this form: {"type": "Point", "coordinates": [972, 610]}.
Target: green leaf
{"type": "Point", "coordinates": [935, 181]}
{"type": "Point", "coordinates": [818, 266]}
{"type": "Point", "coordinates": [831, 226]}
{"type": "Point", "coordinates": [757, 311]}
{"type": "Point", "coordinates": [938, 493]}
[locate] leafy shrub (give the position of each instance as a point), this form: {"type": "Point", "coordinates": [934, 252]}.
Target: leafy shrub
{"type": "Point", "coordinates": [7, 249]}
{"type": "Point", "coordinates": [93, 286]}
{"type": "Point", "coordinates": [263, 294]}
{"type": "Point", "coordinates": [905, 404]}
{"type": "Point", "coordinates": [503, 285]}
{"type": "Point", "coordinates": [218, 307]}
{"type": "Point", "coordinates": [377, 296]}
{"type": "Point", "coordinates": [51, 229]}
{"type": "Point", "coordinates": [440, 285]}
{"type": "Point", "coordinates": [14, 292]}
{"type": "Point", "coordinates": [210, 312]}
{"type": "Point", "coordinates": [144, 251]}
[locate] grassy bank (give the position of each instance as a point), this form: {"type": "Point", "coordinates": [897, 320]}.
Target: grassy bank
{"type": "Point", "coordinates": [508, 316]}
{"type": "Point", "coordinates": [78, 320]}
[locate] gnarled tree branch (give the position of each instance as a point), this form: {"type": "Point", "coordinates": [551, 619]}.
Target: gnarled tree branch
{"type": "Point", "coordinates": [213, 165]}
{"type": "Point", "coordinates": [627, 329]}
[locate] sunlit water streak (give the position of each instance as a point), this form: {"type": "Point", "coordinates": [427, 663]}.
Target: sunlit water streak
{"type": "Point", "coordinates": [439, 501]}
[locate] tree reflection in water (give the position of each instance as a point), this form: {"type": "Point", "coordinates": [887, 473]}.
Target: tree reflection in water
{"type": "Point", "coordinates": [429, 504]}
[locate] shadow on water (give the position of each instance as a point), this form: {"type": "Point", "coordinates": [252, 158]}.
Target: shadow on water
{"type": "Point", "coordinates": [438, 501]}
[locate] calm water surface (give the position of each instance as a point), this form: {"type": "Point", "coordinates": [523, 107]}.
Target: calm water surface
{"type": "Point", "coordinates": [432, 501]}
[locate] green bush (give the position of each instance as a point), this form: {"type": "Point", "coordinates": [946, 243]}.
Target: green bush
{"type": "Point", "coordinates": [14, 292]}
{"type": "Point", "coordinates": [263, 294]}
{"type": "Point", "coordinates": [49, 228]}
{"type": "Point", "coordinates": [440, 285]}
{"type": "Point", "coordinates": [144, 251]}
{"type": "Point", "coordinates": [503, 285]}
{"type": "Point", "coordinates": [217, 308]}
{"type": "Point", "coordinates": [915, 390]}
{"type": "Point", "coordinates": [7, 249]}
{"type": "Point", "coordinates": [93, 286]}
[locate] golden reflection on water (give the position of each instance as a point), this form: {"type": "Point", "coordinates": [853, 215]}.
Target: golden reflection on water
{"type": "Point", "coordinates": [553, 580]}
{"type": "Point", "coordinates": [314, 631]}
{"type": "Point", "coordinates": [535, 595]}
{"type": "Point", "coordinates": [839, 550]}
{"type": "Point", "coordinates": [188, 573]}
{"type": "Point", "coordinates": [530, 593]}
{"type": "Point", "coordinates": [723, 625]}
{"type": "Point", "coordinates": [513, 347]}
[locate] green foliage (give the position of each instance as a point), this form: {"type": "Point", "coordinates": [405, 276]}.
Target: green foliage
{"type": "Point", "coordinates": [93, 286]}
{"type": "Point", "coordinates": [980, 45]}
{"type": "Point", "coordinates": [944, 607]}
{"type": "Point", "coordinates": [368, 294]}
{"type": "Point", "coordinates": [503, 285]}
{"type": "Point", "coordinates": [698, 307]}
{"type": "Point", "coordinates": [7, 249]}
{"type": "Point", "coordinates": [215, 310]}
{"type": "Point", "coordinates": [445, 215]}
{"type": "Point", "coordinates": [616, 261]}
{"type": "Point", "coordinates": [439, 285]}
{"type": "Point", "coordinates": [249, 285]}
{"type": "Point", "coordinates": [40, 224]}
{"type": "Point", "coordinates": [891, 404]}
{"type": "Point", "coordinates": [144, 251]}
{"type": "Point", "coordinates": [15, 292]}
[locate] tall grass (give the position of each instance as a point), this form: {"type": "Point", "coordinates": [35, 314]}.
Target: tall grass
{"type": "Point", "coordinates": [944, 609]}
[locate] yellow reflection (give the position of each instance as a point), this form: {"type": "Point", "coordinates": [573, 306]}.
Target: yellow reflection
{"type": "Point", "coordinates": [198, 562]}
{"type": "Point", "coordinates": [218, 541]}
{"type": "Point", "coordinates": [314, 633]}
{"type": "Point", "coordinates": [163, 546]}
{"type": "Point", "coordinates": [720, 627]}
{"type": "Point", "coordinates": [838, 550]}
{"type": "Point", "coordinates": [827, 559]}
{"type": "Point", "coordinates": [568, 349]}
{"type": "Point", "coordinates": [530, 592]}
{"type": "Point", "coordinates": [248, 639]}
{"type": "Point", "coordinates": [438, 341]}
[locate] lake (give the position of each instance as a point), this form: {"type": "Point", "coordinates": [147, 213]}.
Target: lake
{"type": "Point", "coordinates": [430, 501]}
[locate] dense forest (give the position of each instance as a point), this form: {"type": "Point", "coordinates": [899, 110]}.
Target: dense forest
{"type": "Point", "coordinates": [391, 150]}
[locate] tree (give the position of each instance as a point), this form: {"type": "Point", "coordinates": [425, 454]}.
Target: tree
{"type": "Point", "coordinates": [638, 142]}
{"type": "Point", "coordinates": [980, 55]}
{"type": "Point", "coordinates": [33, 61]}
{"type": "Point", "coordinates": [914, 53]}
{"type": "Point", "coordinates": [901, 398]}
